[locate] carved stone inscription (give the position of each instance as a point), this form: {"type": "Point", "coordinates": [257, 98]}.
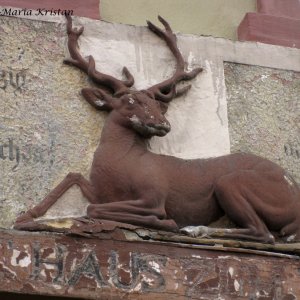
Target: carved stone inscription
{"type": "Point", "coordinates": [11, 152]}
{"type": "Point", "coordinates": [264, 113]}
{"type": "Point", "coordinates": [85, 268]}
{"type": "Point", "coordinates": [89, 267]}
{"type": "Point", "coordinates": [16, 80]}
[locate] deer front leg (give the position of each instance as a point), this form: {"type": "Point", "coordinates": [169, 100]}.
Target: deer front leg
{"type": "Point", "coordinates": [71, 179]}
{"type": "Point", "coordinates": [135, 212]}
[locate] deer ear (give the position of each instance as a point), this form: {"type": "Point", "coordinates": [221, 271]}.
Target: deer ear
{"type": "Point", "coordinates": [163, 107]}
{"type": "Point", "coordinates": [98, 98]}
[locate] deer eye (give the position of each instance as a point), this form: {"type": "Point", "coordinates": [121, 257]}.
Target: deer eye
{"type": "Point", "coordinates": [163, 107]}
{"type": "Point", "coordinates": [130, 107]}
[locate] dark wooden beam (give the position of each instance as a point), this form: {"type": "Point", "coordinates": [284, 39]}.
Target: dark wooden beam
{"type": "Point", "coordinates": [130, 263]}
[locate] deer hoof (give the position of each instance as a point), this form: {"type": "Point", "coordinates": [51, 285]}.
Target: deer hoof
{"type": "Point", "coordinates": [291, 238]}
{"type": "Point", "coordinates": [170, 224]}
{"type": "Point", "coordinates": [195, 231]}
{"type": "Point", "coordinates": [270, 239]}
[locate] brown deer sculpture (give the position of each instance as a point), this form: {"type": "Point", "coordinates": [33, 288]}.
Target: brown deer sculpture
{"type": "Point", "coordinates": [130, 184]}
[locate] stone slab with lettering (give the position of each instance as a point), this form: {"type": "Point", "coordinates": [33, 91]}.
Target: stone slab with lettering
{"type": "Point", "coordinates": [47, 129]}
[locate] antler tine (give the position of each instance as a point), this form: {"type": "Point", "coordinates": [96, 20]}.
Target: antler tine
{"type": "Point", "coordinates": [117, 86]}
{"type": "Point", "coordinates": [166, 90]}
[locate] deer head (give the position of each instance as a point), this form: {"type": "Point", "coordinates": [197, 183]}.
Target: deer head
{"type": "Point", "coordinates": [144, 110]}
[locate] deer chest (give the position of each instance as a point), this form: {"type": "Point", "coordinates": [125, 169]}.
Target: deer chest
{"type": "Point", "coordinates": [125, 181]}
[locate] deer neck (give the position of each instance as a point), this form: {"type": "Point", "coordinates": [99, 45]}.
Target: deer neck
{"type": "Point", "coordinates": [118, 138]}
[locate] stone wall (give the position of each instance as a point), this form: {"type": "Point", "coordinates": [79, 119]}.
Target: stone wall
{"type": "Point", "coordinates": [47, 129]}
{"type": "Point", "coordinates": [264, 113]}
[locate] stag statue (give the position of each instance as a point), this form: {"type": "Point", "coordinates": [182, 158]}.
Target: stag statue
{"type": "Point", "coordinates": [130, 184]}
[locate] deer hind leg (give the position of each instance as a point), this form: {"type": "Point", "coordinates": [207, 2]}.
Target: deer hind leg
{"type": "Point", "coordinates": [238, 204]}
{"type": "Point", "coordinates": [71, 179]}
{"type": "Point", "coordinates": [136, 212]}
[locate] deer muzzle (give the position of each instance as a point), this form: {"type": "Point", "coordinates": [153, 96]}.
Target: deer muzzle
{"type": "Point", "coordinates": [159, 129]}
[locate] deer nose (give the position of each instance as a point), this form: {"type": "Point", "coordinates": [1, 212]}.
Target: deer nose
{"type": "Point", "coordinates": [162, 129]}
{"type": "Point", "coordinates": [166, 127]}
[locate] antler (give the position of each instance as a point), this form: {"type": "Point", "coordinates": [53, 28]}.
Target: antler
{"type": "Point", "coordinates": [118, 87]}
{"type": "Point", "coordinates": [166, 90]}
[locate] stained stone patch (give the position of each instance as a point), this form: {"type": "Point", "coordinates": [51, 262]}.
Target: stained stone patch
{"type": "Point", "coordinates": [264, 113]}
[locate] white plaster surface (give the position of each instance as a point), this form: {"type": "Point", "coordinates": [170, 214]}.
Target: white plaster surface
{"type": "Point", "coordinates": [198, 119]}
{"type": "Point", "coordinates": [71, 204]}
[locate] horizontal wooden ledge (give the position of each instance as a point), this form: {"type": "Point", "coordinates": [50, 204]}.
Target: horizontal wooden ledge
{"type": "Point", "coordinates": [136, 263]}
{"type": "Point", "coordinates": [91, 228]}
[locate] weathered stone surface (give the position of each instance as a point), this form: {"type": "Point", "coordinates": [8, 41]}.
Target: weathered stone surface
{"type": "Point", "coordinates": [264, 113]}
{"type": "Point", "coordinates": [45, 130]}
